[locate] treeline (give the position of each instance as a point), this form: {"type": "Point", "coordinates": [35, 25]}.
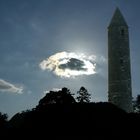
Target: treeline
{"type": "Point", "coordinates": [64, 109]}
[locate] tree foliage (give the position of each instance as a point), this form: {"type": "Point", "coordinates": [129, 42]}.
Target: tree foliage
{"type": "Point", "coordinates": [3, 120]}
{"type": "Point", "coordinates": [3, 117]}
{"type": "Point", "coordinates": [136, 104]}
{"type": "Point", "coordinates": [83, 95]}
{"type": "Point", "coordinates": [57, 97]}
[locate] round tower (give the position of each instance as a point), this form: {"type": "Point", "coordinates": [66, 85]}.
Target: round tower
{"type": "Point", "coordinates": [119, 71]}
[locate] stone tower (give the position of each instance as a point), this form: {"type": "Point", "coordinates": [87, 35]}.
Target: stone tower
{"type": "Point", "coordinates": [119, 73]}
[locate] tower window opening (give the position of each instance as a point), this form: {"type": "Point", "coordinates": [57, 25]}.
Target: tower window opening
{"type": "Point", "coordinates": [122, 32]}
{"type": "Point", "coordinates": [121, 61]}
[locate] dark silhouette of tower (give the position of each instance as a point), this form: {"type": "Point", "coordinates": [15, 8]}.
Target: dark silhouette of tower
{"type": "Point", "coordinates": [119, 72]}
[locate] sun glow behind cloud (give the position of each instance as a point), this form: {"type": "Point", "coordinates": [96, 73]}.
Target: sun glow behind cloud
{"type": "Point", "coordinates": [69, 64]}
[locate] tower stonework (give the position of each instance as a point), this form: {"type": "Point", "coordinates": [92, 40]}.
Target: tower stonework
{"type": "Point", "coordinates": [119, 71]}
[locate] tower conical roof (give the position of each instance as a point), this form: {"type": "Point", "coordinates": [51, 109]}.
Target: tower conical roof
{"type": "Point", "coordinates": [117, 19]}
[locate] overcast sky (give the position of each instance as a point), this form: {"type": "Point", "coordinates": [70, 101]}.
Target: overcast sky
{"type": "Point", "coordinates": [46, 44]}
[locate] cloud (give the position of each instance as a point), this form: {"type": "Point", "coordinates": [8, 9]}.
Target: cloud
{"type": "Point", "coordinates": [53, 89]}
{"type": "Point", "coordinates": [71, 64]}
{"type": "Point", "coordinates": [47, 91]}
{"type": "Point", "coordinates": [8, 87]}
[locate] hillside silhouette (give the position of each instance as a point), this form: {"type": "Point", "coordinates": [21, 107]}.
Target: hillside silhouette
{"type": "Point", "coordinates": [58, 112]}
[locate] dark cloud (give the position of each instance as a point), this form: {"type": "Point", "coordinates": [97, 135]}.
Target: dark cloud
{"type": "Point", "coordinates": [4, 86]}
{"type": "Point", "coordinates": [73, 64]}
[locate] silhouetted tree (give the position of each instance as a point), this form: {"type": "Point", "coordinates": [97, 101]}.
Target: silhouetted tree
{"type": "Point", "coordinates": [57, 97]}
{"type": "Point", "coordinates": [84, 96]}
{"type": "Point", "coordinates": [3, 120]}
{"type": "Point", "coordinates": [136, 104]}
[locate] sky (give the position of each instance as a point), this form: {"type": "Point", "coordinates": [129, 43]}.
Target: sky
{"type": "Point", "coordinates": [50, 44]}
